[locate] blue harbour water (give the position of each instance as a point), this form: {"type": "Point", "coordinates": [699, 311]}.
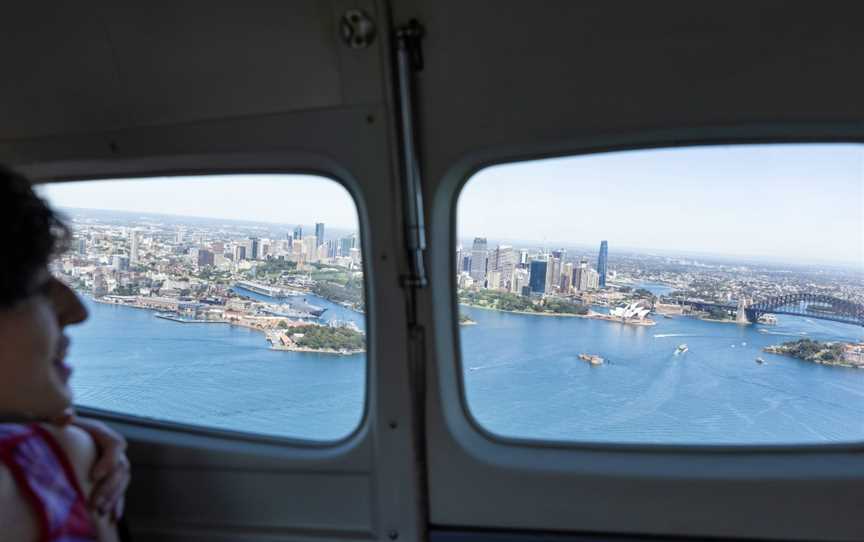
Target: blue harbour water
{"type": "Point", "coordinates": [522, 375]}
{"type": "Point", "coordinates": [523, 378]}
{"type": "Point", "coordinates": [215, 375]}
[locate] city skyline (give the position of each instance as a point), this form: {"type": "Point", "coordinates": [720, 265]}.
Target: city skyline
{"type": "Point", "coordinates": [781, 205]}
{"type": "Point", "coordinates": [743, 200]}
{"type": "Point", "coordinates": [273, 199]}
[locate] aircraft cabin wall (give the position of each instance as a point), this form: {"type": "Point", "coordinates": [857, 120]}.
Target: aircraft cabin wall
{"type": "Point", "coordinates": [177, 89]}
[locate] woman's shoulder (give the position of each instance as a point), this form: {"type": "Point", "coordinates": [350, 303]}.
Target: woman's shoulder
{"type": "Point", "coordinates": [79, 448]}
{"type": "Point", "coordinates": [16, 515]}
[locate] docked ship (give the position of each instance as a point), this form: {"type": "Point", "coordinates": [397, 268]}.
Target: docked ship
{"type": "Point", "coordinates": [291, 298]}
{"type": "Point", "coordinates": [301, 305]}
{"type": "Point", "coordinates": [264, 289]}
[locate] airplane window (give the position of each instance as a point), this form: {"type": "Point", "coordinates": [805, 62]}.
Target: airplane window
{"type": "Point", "coordinates": [230, 302]}
{"type": "Point", "coordinates": [703, 295]}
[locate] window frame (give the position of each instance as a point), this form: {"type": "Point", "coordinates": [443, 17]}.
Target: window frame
{"type": "Point", "coordinates": [570, 486]}
{"type": "Point", "coordinates": [602, 445]}
{"type": "Point", "coordinates": [338, 176]}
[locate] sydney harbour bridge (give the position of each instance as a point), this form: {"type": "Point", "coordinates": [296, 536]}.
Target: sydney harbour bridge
{"type": "Point", "coordinates": [816, 306]}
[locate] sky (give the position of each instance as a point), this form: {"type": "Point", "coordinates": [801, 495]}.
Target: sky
{"type": "Point", "coordinates": [802, 203]}
{"type": "Point", "coordinates": [280, 199]}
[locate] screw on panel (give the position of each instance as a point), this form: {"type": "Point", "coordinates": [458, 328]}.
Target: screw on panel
{"type": "Point", "coordinates": [357, 29]}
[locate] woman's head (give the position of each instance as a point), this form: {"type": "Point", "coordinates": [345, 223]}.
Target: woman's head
{"type": "Point", "coordinates": [34, 306]}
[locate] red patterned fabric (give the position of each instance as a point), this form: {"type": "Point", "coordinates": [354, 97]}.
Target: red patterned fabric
{"type": "Point", "coordinates": [46, 478]}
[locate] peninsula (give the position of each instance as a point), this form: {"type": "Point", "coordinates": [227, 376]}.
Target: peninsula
{"type": "Point", "coordinates": [826, 353]}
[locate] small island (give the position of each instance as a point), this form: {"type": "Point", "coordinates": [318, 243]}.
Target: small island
{"type": "Point", "coordinates": [465, 320]}
{"type": "Point", "coordinates": [318, 338]}
{"type": "Point", "coordinates": [826, 353]}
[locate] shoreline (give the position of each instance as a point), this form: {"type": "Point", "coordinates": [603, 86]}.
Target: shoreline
{"type": "Point", "coordinates": [589, 316]}
{"type": "Point", "coordinates": [238, 323]}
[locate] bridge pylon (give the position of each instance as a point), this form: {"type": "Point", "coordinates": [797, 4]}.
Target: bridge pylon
{"type": "Point", "coordinates": [741, 312]}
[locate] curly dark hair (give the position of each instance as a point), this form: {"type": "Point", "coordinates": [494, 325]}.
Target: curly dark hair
{"type": "Point", "coordinates": [30, 234]}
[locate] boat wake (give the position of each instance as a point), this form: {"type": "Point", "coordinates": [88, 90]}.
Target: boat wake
{"type": "Point", "coordinates": [664, 335]}
{"type": "Point", "coordinates": [766, 332]}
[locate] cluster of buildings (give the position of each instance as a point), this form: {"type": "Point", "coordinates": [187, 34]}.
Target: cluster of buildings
{"type": "Point", "coordinates": [528, 273]}
{"type": "Point", "coordinates": [151, 258]}
{"type": "Point", "coordinates": [295, 247]}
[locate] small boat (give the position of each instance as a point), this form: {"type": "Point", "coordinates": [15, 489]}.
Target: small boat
{"type": "Point", "coordinates": [592, 359]}
{"type": "Point", "coordinates": [682, 348]}
{"type": "Point", "coordinates": [760, 361]}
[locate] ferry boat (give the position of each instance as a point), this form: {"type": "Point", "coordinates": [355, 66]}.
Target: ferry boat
{"type": "Point", "coordinates": [682, 348]}
{"type": "Point", "coordinates": [592, 359]}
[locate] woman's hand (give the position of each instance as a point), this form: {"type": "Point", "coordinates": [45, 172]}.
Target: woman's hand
{"type": "Point", "coordinates": [110, 473]}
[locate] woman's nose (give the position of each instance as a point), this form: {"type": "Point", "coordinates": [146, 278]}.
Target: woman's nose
{"type": "Point", "coordinates": [70, 309]}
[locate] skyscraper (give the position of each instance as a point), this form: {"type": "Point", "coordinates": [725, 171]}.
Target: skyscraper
{"type": "Point", "coordinates": [553, 273]}
{"type": "Point", "coordinates": [253, 248]}
{"type": "Point", "coordinates": [133, 251]}
{"type": "Point", "coordinates": [505, 264]}
{"type": "Point", "coordinates": [310, 248]}
{"type": "Point", "coordinates": [601, 262]}
{"type": "Point", "coordinates": [345, 246]}
{"type": "Point", "coordinates": [205, 258]}
{"type": "Point", "coordinates": [298, 232]}
{"type": "Point", "coordinates": [478, 260]}
{"type": "Point", "coordinates": [319, 232]}
{"type": "Point", "coordinates": [537, 277]}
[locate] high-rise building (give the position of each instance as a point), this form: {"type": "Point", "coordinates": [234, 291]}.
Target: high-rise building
{"type": "Point", "coordinates": [537, 277]}
{"type": "Point", "coordinates": [458, 259]}
{"type": "Point", "coordinates": [82, 246]}
{"type": "Point", "coordinates": [580, 277]}
{"type": "Point", "coordinates": [553, 273]}
{"type": "Point", "coordinates": [120, 263]}
{"type": "Point", "coordinates": [601, 262]}
{"type": "Point", "coordinates": [133, 251]}
{"type": "Point", "coordinates": [298, 232]}
{"type": "Point", "coordinates": [297, 250]}
{"type": "Point", "coordinates": [493, 280]}
{"type": "Point", "coordinates": [319, 232]}
{"type": "Point", "coordinates": [566, 277]}
{"type": "Point", "coordinates": [310, 248]}
{"type": "Point", "coordinates": [519, 281]}
{"type": "Point", "coordinates": [239, 253]}
{"type": "Point", "coordinates": [254, 246]}
{"type": "Point", "coordinates": [346, 244]}
{"type": "Point", "coordinates": [592, 279]}
{"type": "Point", "coordinates": [205, 258]}
{"type": "Point", "coordinates": [506, 262]}
{"type": "Point", "coordinates": [478, 260]}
